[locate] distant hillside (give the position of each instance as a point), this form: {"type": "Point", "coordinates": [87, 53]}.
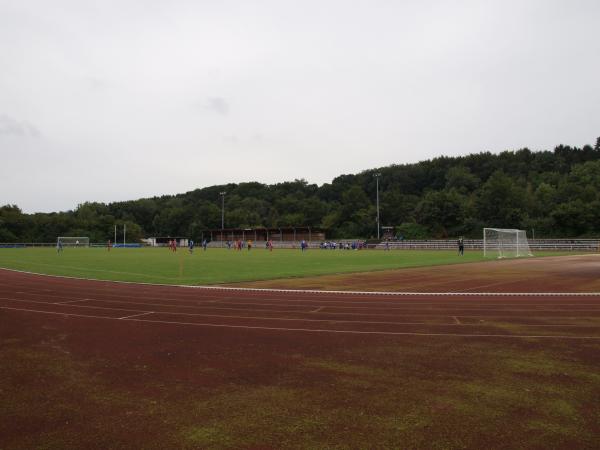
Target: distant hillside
{"type": "Point", "coordinates": [557, 193]}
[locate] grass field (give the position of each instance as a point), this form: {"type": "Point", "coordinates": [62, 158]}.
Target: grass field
{"type": "Point", "coordinates": [158, 265]}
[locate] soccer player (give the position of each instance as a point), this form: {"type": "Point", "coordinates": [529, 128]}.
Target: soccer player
{"type": "Point", "coordinates": [461, 246]}
{"type": "Point", "coordinates": [249, 244]}
{"type": "Point", "coordinates": [108, 246]}
{"type": "Point", "coordinates": [59, 246]}
{"type": "Point", "coordinates": [191, 246]}
{"type": "Point", "coordinates": [204, 244]}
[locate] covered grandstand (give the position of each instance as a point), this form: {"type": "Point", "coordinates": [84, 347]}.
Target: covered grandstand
{"type": "Point", "coordinates": [282, 234]}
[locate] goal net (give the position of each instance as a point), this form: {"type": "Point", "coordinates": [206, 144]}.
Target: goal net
{"type": "Point", "coordinates": [74, 241]}
{"type": "Point", "coordinates": [505, 243]}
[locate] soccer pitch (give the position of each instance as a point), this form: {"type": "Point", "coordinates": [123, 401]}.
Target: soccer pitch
{"type": "Point", "coordinates": [159, 265]}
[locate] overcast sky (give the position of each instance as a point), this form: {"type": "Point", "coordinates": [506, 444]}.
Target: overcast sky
{"type": "Point", "coordinates": [116, 100]}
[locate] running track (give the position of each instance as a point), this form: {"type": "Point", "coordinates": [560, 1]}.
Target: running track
{"type": "Point", "coordinates": [502, 316]}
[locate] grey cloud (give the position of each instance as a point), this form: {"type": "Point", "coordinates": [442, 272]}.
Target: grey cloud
{"type": "Point", "coordinates": [231, 139]}
{"type": "Point", "coordinates": [10, 126]}
{"type": "Point", "coordinates": [96, 84]}
{"type": "Point", "coordinates": [218, 105]}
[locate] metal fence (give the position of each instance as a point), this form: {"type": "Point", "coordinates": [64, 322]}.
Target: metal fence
{"type": "Point", "coordinates": [586, 245]}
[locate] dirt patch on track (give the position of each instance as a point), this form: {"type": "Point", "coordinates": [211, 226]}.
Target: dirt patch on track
{"type": "Point", "coordinates": [548, 274]}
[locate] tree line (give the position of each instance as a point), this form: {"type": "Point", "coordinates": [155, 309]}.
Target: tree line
{"type": "Point", "coordinates": [549, 193]}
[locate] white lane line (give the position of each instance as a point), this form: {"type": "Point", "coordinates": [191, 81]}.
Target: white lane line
{"type": "Point", "coordinates": [490, 323]}
{"type": "Point", "coordinates": [316, 330]}
{"type": "Point", "coordinates": [71, 301]}
{"type": "Point", "coordinates": [318, 309]}
{"type": "Point", "coordinates": [340, 304]}
{"type": "Point", "coordinates": [456, 320]}
{"type": "Point", "coordinates": [315, 291]}
{"type": "Point", "coordinates": [104, 292]}
{"type": "Point", "coordinates": [226, 316]}
{"type": "Point", "coordinates": [493, 318]}
{"type": "Point", "coordinates": [69, 305]}
{"type": "Point", "coordinates": [397, 307]}
{"type": "Point", "coordinates": [137, 315]}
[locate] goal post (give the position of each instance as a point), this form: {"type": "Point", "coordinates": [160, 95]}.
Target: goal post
{"type": "Point", "coordinates": [73, 241]}
{"type": "Point", "coordinates": [505, 243]}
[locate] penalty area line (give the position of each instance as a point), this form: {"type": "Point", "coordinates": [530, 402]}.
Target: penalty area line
{"type": "Point", "coordinates": [309, 330]}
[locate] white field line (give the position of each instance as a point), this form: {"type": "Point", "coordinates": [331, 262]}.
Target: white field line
{"type": "Point", "coordinates": [456, 320]}
{"type": "Point", "coordinates": [308, 330]}
{"type": "Point", "coordinates": [315, 291]}
{"type": "Point", "coordinates": [318, 309]}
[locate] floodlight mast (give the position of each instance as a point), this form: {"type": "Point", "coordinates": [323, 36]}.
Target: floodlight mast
{"type": "Point", "coordinates": [377, 175]}
{"type": "Point", "coordinates": [222, 194]}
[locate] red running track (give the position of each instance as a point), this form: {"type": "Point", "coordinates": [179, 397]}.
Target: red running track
{"type": "Point", "coordinates": [547, 316]}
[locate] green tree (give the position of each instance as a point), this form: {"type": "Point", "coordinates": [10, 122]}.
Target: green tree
{"type": "Point", "coordinates": [501, 202]}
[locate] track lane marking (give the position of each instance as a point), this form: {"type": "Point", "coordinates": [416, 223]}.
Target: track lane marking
{"type": "Point", "coordinates": [492, 318]}
{"type": "Point", "coordinates": [69, 305]}
{"type": "Point", "coordinates": [71, 301]}
{"type": "Point", "coordinates": [308, 330]}
{"type": "Point", "coordinates": [490, 322]}
{"type": "Point", "coordinates": [495, 307]}
{"type": "Point", "coordinates": [314, 291]}
{"type": "Point", "coordinates": [383, 306]}
{"type": "Point", "coordinates": [336, 304]}
{"type": "Point", "coordinates": [136, 315]}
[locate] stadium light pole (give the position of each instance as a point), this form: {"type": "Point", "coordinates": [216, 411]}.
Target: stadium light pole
{"type": "Point", "coordinates": [377, 175]}
{"type": "Point", "coordinates": [222, 194]}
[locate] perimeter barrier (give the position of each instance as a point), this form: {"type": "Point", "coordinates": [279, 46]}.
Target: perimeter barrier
{"type": "Point", "coordinates": [572, 245]}
{"type": "Point", "coordinates": [587, 245]}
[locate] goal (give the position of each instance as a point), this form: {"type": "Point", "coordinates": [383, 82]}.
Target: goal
{"type": "Point", "coordinates": [505, 243]}
{"type": "Point", "coordinates": [74, 241]}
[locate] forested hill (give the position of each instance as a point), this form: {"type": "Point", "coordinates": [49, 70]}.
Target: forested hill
{"type": "Point", "coordinates": [557, 193]}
